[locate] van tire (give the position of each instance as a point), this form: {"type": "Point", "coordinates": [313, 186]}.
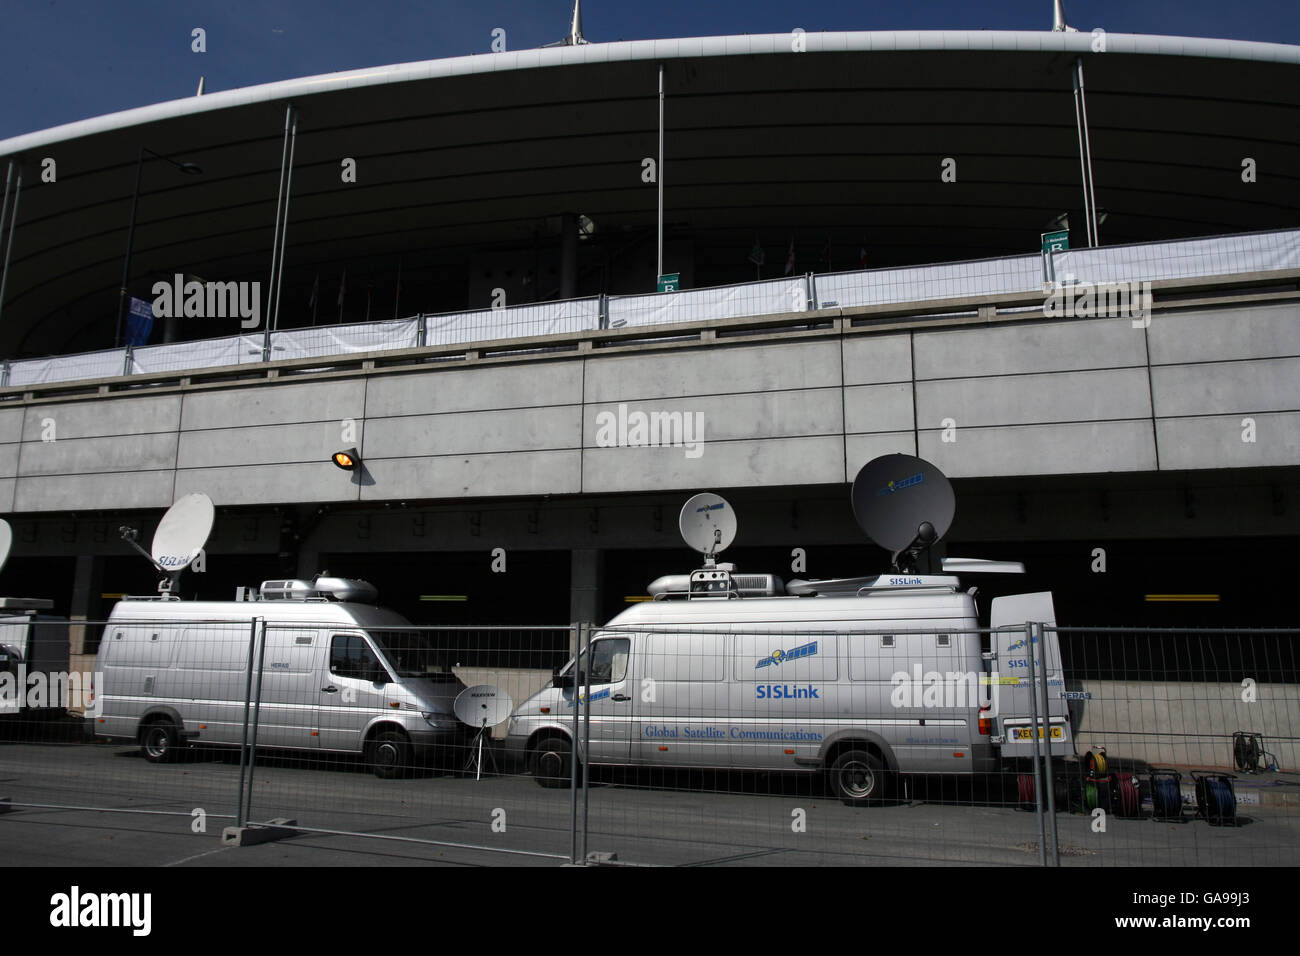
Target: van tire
{"type": "Point", "coordinates": [858, 778]}
{"type": "Point", "coordinates": [160, 741]}
{"type": "Point", "coordinates": [389, 755]}
{"type": "Point", "coordinates": [551, 760]}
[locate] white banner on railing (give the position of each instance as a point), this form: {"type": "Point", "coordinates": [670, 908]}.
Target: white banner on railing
{"type": "Point", "coordinates": [519, 321]}
{"type": "Point", "coordinates": [918, 283]}
{"type": "Point", "coordinates": [698, 305]}
{"type": "Point", "coordinates": [1185, 258]}
{"type": "Point", "coordinates": [343, 339]}
{"type": "Point", "coordinates": [66, 368]}
{"type": "Point", "coordinates": [204, 353]}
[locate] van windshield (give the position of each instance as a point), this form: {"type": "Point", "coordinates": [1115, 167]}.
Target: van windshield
{"type": "Point", "coordinates": [412, 654]}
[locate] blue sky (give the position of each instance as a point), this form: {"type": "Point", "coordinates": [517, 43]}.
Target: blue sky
{"type": "Point", "coordinates": [64, 60]}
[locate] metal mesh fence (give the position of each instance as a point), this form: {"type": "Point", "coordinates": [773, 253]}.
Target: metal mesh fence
{"type": "Point", "coordinates": [715, 744]}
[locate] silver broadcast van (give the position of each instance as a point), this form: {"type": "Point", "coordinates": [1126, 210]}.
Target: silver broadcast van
{"type": "Point", "coordinates": [859, 678]}
{"type": "Point", "coordinates": [804, 684]}
{"type": "Point", "coordinates": [339, 674]}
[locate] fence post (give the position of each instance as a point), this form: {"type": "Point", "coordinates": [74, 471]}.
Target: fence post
{"type": "Point", "coordinates": [260, 624]}
{"type": "Point", "coordinates": [266, 343]}
{"type": "Point", "coordinates": [1033, 738]}
{"type": "Point", "coordinates": [573, 747]}
{"type": "Point", "coordinates": [1041, 636]}
{"type": "Point", "coordinates": [586, 742]}
{"type": "Point", "coordinates": [4, 374]}
{"type": "Point", "coordinates": [810, 290]}
{"type": "Point", "coordinates": [248, 700]}
{"type": "Point", "coordinates": [127, 357]}
{"type": "Point", "coordinates": [604, 311]}
{"type": "Point", "coordinates": [421, 331]}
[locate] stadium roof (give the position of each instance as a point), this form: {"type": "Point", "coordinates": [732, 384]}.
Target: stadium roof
{"type": "Point", "coordinates": [462, 159]}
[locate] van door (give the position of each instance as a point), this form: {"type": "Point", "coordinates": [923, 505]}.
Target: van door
{"type": "Point", "coordinates": [1010, 673]}
{"type": "Point", "coordinates": [683, 710]}
{"type": "Point", "coordinates": [613, 718]}
{"type": "Point", "coordinates": [352, 690]}
{"type": "Point", "coordinates": [290, 688]}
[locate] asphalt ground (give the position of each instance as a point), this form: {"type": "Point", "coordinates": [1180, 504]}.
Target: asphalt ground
{"type": "Point", "coordinates": [63, 794]}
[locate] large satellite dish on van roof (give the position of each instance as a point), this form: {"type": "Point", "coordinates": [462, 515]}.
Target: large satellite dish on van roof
{"type": "Point", "coordinates": [902, 502]}
{"type": "Point", "coordinates": [181, 535]}
{"type": "Point", "coordinates": [182, 532]}
{"type": "Point", "coordinates": [707, 523]}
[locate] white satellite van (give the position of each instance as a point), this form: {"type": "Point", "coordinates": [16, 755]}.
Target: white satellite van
{"type": "Point", "coordinates": [339, 675]}
{"type": "Point", "coordinates": [859, 678]}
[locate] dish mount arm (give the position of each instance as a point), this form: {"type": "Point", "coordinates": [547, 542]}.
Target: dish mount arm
{"type": "Point", "coordinates": [904, 560]}
{"type": "Point", "coordinates": [168, 579]}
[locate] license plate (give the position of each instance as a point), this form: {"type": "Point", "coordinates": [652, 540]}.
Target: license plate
{"type": "Point", "coordinates": [1025, 733]}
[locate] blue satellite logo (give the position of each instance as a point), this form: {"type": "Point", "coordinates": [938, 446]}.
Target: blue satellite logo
{"type": "Point", "coordinates": [781, 656]}
{"type": "Point", "coordinates": [889, 489]}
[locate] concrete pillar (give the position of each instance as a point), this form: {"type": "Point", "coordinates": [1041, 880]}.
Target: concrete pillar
{"type": "Point", "coordinates": [87, 581]}
{"type": "Point", "coordinates": [586, 574]}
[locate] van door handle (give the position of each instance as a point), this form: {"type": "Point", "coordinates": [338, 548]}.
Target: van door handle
{"type": "Point", "coordinates": [329, 690]}
{"type": "Point", "coordinates": [620, 697]}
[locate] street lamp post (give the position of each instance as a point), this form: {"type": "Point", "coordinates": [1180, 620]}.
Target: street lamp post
{"type": "Point", "coordinates": [190, 169]}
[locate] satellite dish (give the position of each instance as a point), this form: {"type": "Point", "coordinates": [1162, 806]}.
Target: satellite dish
{"type": "Point", "coordinates": [483, 706]}
{"type": "Point", "coordinates": [896, 496]}
{"type": "Point", "coordinates": [6, 541]}
{"type": "Point", "coordinates": [182, 533]}
{"type": "Point", "coordinates": [707, 523]}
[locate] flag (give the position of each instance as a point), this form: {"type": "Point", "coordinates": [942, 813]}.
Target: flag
{"type": "Point", "coordinates": [862, 257]}
{"type": "Point", "coordinates": [789, 259]}
{"type": "Point", "coordinates": [315, 290]}
{"type": "Point", "coordinates": [343, 285]}
{"type": "Point", "coordinates": [756, 254]}
{"type": "Point", "coordinates": [139, 322]}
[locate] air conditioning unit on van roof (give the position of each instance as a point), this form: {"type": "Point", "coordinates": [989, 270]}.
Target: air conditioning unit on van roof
{"type": "Point", "coordinates": [744, 585]}
{"type": "Point", "coordinates": [321, 589]}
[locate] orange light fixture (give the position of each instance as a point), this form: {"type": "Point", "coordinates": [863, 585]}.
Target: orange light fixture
{"type": "Point", "coordinates": [347, 459]}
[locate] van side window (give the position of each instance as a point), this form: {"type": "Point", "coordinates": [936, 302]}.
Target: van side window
{"type": "Point", "coordinates": [351, 656]}
{"type": "Point", "coordinates": [609, 660]}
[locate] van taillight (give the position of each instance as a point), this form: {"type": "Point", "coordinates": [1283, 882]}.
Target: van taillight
{"type": "Point", "coordinates": [986, 723]}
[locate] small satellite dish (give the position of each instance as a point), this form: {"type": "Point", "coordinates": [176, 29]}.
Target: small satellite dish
{"type": "Point", "coordinates": [895, 496]}
{"type": "Point", "coordinates": [6, 541]}
{"type": "Point", "coordinates": [182, 533]}
{"type": "Point", "coordinates": [708, 523]}
{"type": "Point", "coordinates": [483, 706]}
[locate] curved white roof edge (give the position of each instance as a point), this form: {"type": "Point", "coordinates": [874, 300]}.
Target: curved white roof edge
{"type": "Point", "coordinates": [772, 43]}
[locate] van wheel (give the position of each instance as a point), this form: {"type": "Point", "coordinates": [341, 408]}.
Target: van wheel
{"type": "Point", "coordinates": [388, 755]}
{"type": "Point", "coordinates": [551, 762]}
{"type": "Point", "coordinates": [159, 741]}
{"type": "Point", "coordinates": [858, 778]}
